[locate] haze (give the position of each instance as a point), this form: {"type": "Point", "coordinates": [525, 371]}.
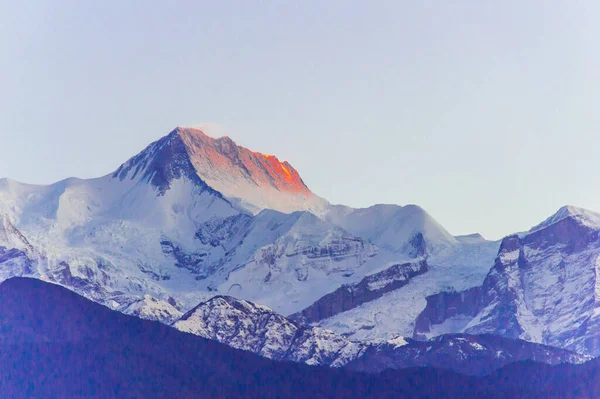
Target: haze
{"type": "Point", "coordinates": [484, 113]}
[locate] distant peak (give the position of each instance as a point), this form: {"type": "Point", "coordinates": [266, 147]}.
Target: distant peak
{"type": "Point", "coordinates": [583, 216]}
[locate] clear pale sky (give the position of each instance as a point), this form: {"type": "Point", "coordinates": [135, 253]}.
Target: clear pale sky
{"type": "Point", "coordinates": [485, 113]}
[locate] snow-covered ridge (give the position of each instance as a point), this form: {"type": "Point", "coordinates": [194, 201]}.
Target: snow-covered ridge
{"type": "Point", "coordinates": [245, 325]}
{"type": "Point", "coordinates": [585, 217]}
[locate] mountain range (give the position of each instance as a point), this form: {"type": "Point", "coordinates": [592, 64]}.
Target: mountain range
{"type": "Point", "coordinates": [230, 244]}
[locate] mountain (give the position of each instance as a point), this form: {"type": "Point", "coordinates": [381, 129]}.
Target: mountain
{"type": "Point", "coordinates": [156, 228]}
{"type": "Point", "coordinates": [254, 328]}
{"type": "Point", "coordinates": [286, 261]}
{"type": "Point", "coordinates": [195, 220]}
{"type": "Point", "coordinates": [251, 180]}
{"type": "Point", "coordinates": [542, 288]}
{"type": "Point", "coordinates": [191, 217]}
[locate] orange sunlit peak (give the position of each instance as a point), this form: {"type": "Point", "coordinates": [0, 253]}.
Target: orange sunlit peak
{"type": "Point", "coordinates": [286, 170]}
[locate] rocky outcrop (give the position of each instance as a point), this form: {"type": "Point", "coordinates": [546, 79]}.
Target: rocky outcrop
{"type": "Point", "coordinates": [368, 289]}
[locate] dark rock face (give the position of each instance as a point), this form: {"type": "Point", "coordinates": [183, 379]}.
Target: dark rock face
{"type": "Point", "coordinates": [501, 319]}
{"type": "Point", "coordinates": [10, 234]}
{"type": "Point", "coordinates": [468, 354]}
{"type": "Point", "coordinates": [570, 233]}
{"type": "Point", "coordinates": [368, 289]}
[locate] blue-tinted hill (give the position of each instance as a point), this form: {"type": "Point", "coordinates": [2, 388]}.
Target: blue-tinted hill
{"type": "Point", "coordinates": [54, 343]}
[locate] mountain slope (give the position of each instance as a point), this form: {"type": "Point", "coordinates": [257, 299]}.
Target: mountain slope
{"type": "Point", "coordinates": [542, 288]}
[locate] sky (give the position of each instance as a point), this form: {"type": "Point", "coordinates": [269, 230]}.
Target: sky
{"type": "Point", "coordinates": [485, 113]}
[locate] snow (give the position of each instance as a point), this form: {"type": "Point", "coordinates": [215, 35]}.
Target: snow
{"type": "Point", "coordinates": [106, 231]}
{"type": "Point", "coordinates": [381, 283]}
{"type": "Point", "coordinates": [583, 216]}
{"type": "Point", "coordinates": [281, 269]}
{"type": "Point", "coordinates": [476, 346]}
{"type": "Point", "coordinates": [452, 325]}
{"type": "Point", "coordinates": [152, 309]}
{"type": "Point", "coordinates": [391, 226]}
{"type": "Point", "coordinates": [509, 256]}
{"type": "Point", "coordinates": [192, 217]}
{"type": "Point", "coordinates": [458, 268]}
{"type": "Point", "coordinates": [397, 342]}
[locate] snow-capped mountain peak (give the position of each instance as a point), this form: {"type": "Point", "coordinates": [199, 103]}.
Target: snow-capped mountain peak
{"type": "Point", "coordinates": [253, 181]}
